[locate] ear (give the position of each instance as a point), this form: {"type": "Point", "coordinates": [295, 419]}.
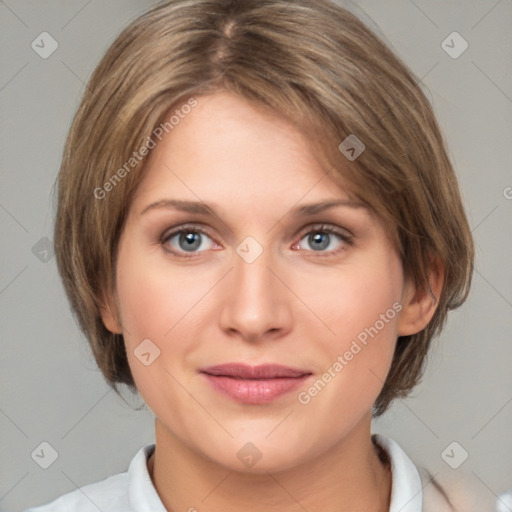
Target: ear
{"type": "Point", "coordinates": [109, 313]}
{"type": "Point", "coordinates": [419, 305]}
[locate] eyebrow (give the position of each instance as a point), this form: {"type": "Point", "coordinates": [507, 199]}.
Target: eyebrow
{"type": "Point", "coordinates": [205, 209]}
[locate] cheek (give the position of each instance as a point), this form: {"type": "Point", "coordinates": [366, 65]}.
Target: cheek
{"type": "Point", "coordinates": [151, 309]}
{"type": "Point", "coordinates": [151, 304]}
{"type": "Point", "coordinates": [360, 308]}
{"type": "Point", "coordinates": [153, 299]}
{"type": "Point", "coordinates": [356, 359]}
{"type": "Point", "coordinates": [358, 297]}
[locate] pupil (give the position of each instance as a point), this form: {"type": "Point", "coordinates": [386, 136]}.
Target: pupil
{"type": "Point", "coordinates": [317, 237]}
{"type": "Point", "coordinates": [192, 241]}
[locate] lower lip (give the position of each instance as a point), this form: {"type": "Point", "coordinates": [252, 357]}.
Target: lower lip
{"type": "Point", "coordinates": [255, 391]}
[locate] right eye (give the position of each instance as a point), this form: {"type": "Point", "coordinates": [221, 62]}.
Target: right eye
{"type": "Point", "coordinates": [187, 241]}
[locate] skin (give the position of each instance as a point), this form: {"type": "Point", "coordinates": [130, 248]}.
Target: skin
{"type": "Point", "coordinates": [295, 305]}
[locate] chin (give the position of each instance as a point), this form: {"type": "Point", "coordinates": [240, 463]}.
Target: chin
{"type": "Point", "coordinates": [261, 455]}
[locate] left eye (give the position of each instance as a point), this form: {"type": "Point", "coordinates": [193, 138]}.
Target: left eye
{"type": "Point", "coordinates": [324, 240]}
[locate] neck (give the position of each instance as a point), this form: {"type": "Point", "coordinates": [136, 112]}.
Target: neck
{"type": "Point", "coordinates": [350, 477]}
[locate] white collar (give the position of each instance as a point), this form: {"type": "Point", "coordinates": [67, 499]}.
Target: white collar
{"type": "Point", "coordinates": [141, 492]}
{"type": "Point", "coordinates": [406, 486]}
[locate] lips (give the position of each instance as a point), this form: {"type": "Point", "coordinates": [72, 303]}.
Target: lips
{"type": "Point", "coordinates": [264, 371]}
{"type": "Point", "coordinates": [254, 384]}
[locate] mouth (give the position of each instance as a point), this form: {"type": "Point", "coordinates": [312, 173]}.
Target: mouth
{"type": "Point", "coordinates": [254, 384]}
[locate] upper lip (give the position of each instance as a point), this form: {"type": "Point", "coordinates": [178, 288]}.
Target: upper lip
{"type": "Point", "coordinates": [244, 371]}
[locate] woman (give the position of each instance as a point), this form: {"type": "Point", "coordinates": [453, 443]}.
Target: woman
{"type": "Point", "coordinates": [217, 144]}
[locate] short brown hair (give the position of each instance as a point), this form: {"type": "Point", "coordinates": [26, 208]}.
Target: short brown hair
{"type": "Point", "coordinates": [309, 61]}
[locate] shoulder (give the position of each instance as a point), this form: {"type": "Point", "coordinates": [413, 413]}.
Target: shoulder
{"type": "Point", "coordinates": [415, 488]}
{"type": "Point", "coordinates": [111, 492]}
{"type": "Point", "coordinates": [117, 493]}
{"type": "Point", "coordinates": [456, 493]}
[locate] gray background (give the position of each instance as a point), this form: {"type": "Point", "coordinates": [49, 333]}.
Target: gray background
{"type": "Point", "coordinates": [51, 389]}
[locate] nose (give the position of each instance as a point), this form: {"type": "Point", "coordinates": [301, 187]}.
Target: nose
{"type": "Point", "coordinates": [256, 303]}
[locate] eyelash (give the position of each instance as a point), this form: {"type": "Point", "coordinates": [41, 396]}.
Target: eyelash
{"type": "Point", "coordinates": [317, 228]}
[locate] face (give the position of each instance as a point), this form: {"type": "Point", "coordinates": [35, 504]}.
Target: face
{"type": "Point", "coordinates": [256, 279]}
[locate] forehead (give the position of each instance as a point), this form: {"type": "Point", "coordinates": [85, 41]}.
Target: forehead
{"type": "Point", "coordinates": [227, 148]}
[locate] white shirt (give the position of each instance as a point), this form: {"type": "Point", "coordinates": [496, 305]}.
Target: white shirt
{"type": "Point", "coordinates": [504, 502]}
{"type": "Point", "coordinates": [133, 490]}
